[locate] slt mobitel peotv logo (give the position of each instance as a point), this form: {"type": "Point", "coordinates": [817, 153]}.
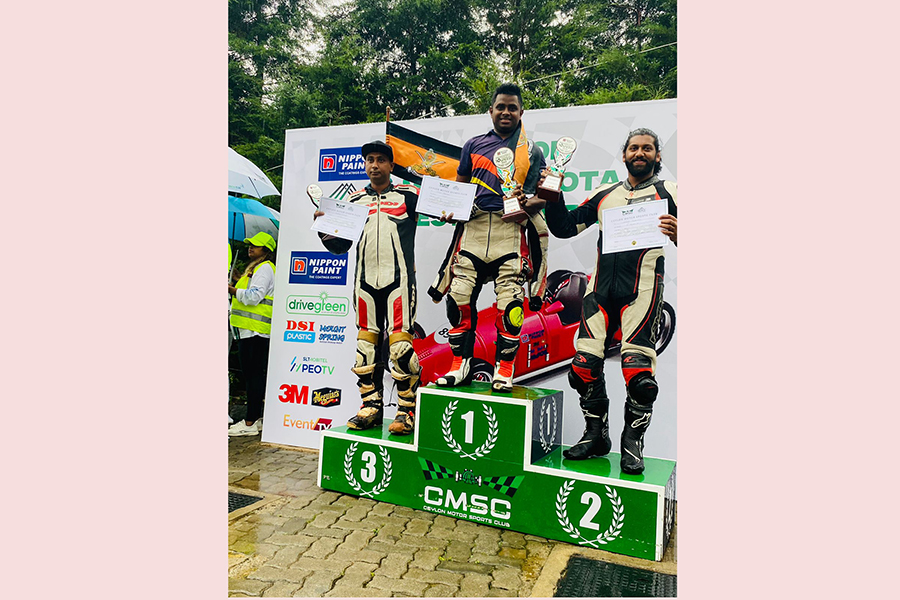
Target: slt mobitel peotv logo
{"type": "Point", "coordinates": [313, 365]}
{"type": "Point", "coordinates": [321, 305]}
{"type": "Point", "coordinates": [305, 332]}
{"type": "Point", "coordinates": [319, 268]}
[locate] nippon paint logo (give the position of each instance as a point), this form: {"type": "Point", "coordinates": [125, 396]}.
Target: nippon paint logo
{"type": "Point", "coordinates": [311, 424]}
{"type": "Point", "coordinates": [322, 268]}
{"type": "Point", "coordinates": [337, 164]}
{"type": "Point", "coordinates": [323, 304]}
{"type": "Point", "coordinates": [313, 365]}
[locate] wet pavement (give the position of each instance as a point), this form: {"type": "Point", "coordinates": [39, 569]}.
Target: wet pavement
{"type": "Point", "coordinates": [303, 541]}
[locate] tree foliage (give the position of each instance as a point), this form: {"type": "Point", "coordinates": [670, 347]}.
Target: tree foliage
{"type": "Point", "coordinates": [295, 63]}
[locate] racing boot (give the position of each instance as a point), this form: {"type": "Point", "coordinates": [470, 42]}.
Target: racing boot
{"type": "Point", "coordinates": [406, 372]}
{"type": "Point", "coordinates": [641, 393]}
{"type": "Point", "coordinates": [371, 413]}
{"type": "Point", "coordinates": [405, 419]}
{"type": "Point", "coordinates": [503, 375]}
{"type": "Point", "coordinates": [595, 440]}
{"type": "Point", "coordinates": [460, 373]}
{"type": "Point", "coordinates": [637, 419]}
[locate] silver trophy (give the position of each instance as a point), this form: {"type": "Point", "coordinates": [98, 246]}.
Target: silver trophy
{"type": "Point", "coordinates": [504, 160]}
{"type": "Point", "coordinates": [315, 193]}
{"type": "Point", "coordinates": [550, 189]}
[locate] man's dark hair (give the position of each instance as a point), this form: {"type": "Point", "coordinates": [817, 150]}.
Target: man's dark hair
{"type": "Point", "coordinates": [644, 131]}
{"type": "Point", "coordinates": [510, 89]}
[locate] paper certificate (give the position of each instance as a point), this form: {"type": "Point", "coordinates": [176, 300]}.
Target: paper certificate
{"type": "Point", "coordinates": [441, 197]}
{"type": "Point", "coordinates": [634, 227]}
{"type": "Point", "coordinates": [341, 219]}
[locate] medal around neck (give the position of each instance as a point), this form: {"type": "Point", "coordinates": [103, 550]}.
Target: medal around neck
{"type": "Point", "coordinates": [315, 193]}
{"type": "Point", "coordinates": [550, 189]}
{"type": "Point", "coordinates": [504, 160]}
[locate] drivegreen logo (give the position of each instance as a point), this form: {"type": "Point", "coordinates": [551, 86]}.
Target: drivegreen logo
{"type": "Point", "coordinates": [323, 304]}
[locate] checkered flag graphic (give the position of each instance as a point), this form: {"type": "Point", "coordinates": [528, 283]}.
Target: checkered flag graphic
{"type": "Point", "coordinates": [505, 485]}
{"type": "Point", "coordinates": [434, 471]}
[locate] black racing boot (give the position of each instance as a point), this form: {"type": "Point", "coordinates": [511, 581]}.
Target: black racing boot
{"type": "Point", "coordinates": [595, 441]}
{"type": "Point", "coordinates": [637, 419]}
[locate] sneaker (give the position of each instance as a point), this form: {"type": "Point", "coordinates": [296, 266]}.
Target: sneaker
{"type": "Point", "coordinates": [459, 373]}
{"type": "Point", "coordinates": [241, 428]}
{"type": "Point", "coordinates": [503, 375]}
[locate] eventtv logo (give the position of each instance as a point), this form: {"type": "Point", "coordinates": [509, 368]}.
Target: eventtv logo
{"type": "Point", "coordinates": [323, 304]}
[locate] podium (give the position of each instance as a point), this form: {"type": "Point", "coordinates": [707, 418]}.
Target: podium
{"type": "Point", "coordinates": [497, 459]}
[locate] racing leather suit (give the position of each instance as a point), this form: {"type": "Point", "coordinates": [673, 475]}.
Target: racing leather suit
{"type": "Point", "coordinates": [625, 291]}
{"type": "Point", "coordinates": [486, 248]}
{"type": "Point", "coordinates": [384, 293]}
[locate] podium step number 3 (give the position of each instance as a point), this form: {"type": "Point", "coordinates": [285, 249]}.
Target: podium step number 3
{"type": "Point", "coordinates": [497, 459]}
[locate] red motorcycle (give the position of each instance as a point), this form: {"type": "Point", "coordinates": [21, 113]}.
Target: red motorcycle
{"type": "Point", "coordinates": [548, 335]}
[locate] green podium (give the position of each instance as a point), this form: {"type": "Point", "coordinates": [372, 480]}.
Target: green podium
{"type": "Point", "coordinates": [497, 459]}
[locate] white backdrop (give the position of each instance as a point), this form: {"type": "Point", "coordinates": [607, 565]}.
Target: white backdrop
{"type": "Point", "coordinates": [314, 340]}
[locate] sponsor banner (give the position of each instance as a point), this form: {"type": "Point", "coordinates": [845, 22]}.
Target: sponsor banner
{"type": "Point", "coordinates": [311, 286]}
{"type": "Point", "coordinates": [321, 268]}
{"type": "Point", "coordinates": [336, 164]}
{"type": "Point", "coordinates": [322, 305]}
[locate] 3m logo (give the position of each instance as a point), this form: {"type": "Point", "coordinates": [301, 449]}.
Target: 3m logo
{"type": "Point", "coordinates": [329, 163]}
{"type": "Point", "coordinates": [290, 393]}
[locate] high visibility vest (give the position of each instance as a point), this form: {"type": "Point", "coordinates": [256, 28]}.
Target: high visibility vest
{"type": "Point", "coordinates": [255, 318]}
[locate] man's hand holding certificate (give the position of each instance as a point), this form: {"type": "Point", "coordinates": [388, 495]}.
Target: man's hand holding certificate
{"type": "Point", "coordinates": [341, 219]}
{"type": "Point", "coordinates": [440, 197]}
{"type": "Point", "coordinates": [634, 227]}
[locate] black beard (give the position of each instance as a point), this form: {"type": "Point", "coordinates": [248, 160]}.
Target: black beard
{"type": "Point", "coordinates": [640, 171]}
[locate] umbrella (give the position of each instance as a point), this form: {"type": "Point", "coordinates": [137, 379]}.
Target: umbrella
{"type": "Point", "coordinates": [248, 217]}
{"type": "Point", "coordinates": [246, 178]}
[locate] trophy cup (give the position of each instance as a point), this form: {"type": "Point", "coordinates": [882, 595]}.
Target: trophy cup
{"type": "Point", "coordinates": [503, 160]}
{"type": "Point", "coordinates": [549, 190]}
{"type": "Point", "coordinates": [314, 192]}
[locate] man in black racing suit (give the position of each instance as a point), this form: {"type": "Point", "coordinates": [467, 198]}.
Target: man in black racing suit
{"type": "Point", "coordinates": [384, 294]}
{"type": "Point", "coordinates": [625, 291]}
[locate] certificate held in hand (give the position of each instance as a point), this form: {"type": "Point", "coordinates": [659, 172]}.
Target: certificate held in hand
{"type": "Point", "coordinates": [341, 219]}
{"type": "Point", "coordinates": [439, 197]}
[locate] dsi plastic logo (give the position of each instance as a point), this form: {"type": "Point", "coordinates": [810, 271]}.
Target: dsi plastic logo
{"type": "Point", "coordinates": [322, 268]}
{"type": "Point", "coordinates": [337, 164]}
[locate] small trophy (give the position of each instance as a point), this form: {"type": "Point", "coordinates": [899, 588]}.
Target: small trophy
{"type": "Point", "coordinates": [314, 192]}
{"type": "Point", "coordinates": [503, 160]}
{"type": "Point", "coordinates": [549, 190]}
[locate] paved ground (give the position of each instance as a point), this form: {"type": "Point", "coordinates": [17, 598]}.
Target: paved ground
{"type": "Point", "coordinates": [303, 541]}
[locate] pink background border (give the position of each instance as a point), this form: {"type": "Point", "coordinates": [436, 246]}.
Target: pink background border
{"type": "Point", "coordinates": [118, 113]}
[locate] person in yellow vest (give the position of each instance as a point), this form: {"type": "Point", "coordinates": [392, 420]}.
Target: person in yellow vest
{"type": "Point", "coordinates": [251, 314]}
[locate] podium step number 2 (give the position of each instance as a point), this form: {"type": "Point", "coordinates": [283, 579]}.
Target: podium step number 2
{"type": "Point", "coordinates": [497, 459]}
